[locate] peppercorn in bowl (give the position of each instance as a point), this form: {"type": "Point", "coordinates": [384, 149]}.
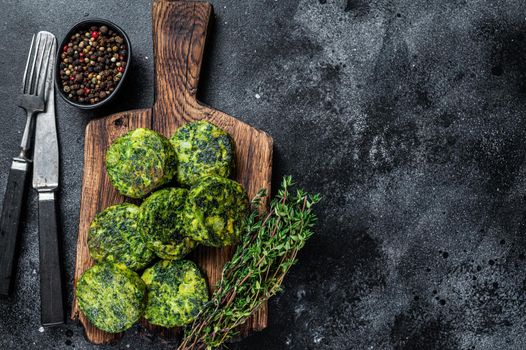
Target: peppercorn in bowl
{"type": "Point", "coordinates": [93, 61]}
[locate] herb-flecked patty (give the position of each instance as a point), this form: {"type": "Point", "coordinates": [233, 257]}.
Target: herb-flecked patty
{"type": "Point", "coordinates": [161, 220]}
{"type": "Point", "coordinates": [177, 292]}
{"type": "Point", "coordinates": [202, 149]}
{"type": "Point", "coordinates": [140, 161]}
{"type": "Point", "coordinates": [114, 235]}
{"type": "Point", "coordinates": [111, 296]}
{"type": "Point", "coordinates": [215, 210]}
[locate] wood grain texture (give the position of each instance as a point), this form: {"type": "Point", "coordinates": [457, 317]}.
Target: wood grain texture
{"type": "Point", "coordinates": [179, 34]}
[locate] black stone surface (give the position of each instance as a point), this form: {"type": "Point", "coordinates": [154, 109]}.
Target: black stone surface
{"type": "Point", "coordinates": [407, 115]}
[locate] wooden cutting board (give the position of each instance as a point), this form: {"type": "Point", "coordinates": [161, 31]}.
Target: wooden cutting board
{"type": "Point", "coordinates": [179, 34]}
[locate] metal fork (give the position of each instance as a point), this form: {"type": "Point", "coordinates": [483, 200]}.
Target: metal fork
{"type": "Point", "coordinates": [33, 101]}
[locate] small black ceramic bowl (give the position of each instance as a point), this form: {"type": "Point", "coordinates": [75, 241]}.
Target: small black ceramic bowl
{"type": "Point", "coordinates": [85, 26]}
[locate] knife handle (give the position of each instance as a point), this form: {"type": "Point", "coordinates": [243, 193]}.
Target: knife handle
{"type": "Point", "coordinates": [51, 288]}
{"type": "Point", "coordinates": [9, 222]}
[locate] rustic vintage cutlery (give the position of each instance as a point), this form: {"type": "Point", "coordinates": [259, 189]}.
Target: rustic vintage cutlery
{"type": "Point", "coordinates": [45, 182]}
{"type": "Point", "coordinates": [32, 100]}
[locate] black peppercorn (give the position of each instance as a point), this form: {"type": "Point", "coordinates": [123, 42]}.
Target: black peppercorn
{"type": "Point", "coordinates": [92, 63]}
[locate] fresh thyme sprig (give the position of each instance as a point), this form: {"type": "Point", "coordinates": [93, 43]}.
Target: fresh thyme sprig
{"type": "Point", "coordinates": [255, 273]}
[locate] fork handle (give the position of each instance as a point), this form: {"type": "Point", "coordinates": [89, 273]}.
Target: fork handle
{"type": "Point", "coordinates": [51, 288]}
{"type": "Point", "coordinates": [9, 222]}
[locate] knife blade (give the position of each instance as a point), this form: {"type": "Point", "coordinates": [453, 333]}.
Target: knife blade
{"type": "Point", "coordinates": [46, 182]}
{"type": "Point", "coordinates": [46, 154]}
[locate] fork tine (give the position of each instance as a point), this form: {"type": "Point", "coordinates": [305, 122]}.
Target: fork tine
{"type": "Point", "coordinates": [42, 78]}
{"type": "Point", "coordinates": [34, 56]}
{"type": "Point", "coordinates": [29, 82]}
{"type": "Point", "coordinates": [40, 56]}
{"type": "Point", "coordinates": [31, 48]}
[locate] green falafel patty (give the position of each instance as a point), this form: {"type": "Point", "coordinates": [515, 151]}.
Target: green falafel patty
{"type": "Point", "coordinates": [202, 149]}
{"type": "Point", "coordinates": [114, 235]}
{"type": "Point", "coordinates": [215, 210]}
{"type": "Point", "coordinates": [177, 292]}
{"type": "Point", "coordinates": [111, 296]}
{"type": "Point", "coordinates": [161, 220]}
{"type": "Point", "coordinates": [140, 161]}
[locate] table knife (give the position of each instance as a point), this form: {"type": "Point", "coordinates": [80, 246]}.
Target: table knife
{"type": "Point", "coordinates": [46, 183]}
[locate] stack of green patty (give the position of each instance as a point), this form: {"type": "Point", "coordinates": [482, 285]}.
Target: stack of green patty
{"type": "Point", "coordinates": [201, 205]}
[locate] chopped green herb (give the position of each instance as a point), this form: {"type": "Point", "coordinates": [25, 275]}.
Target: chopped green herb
{"type": "Point", "coordinates": [215, 210]}
{"type": "Point", "coordinates": [177, 292]}
{"type": "Point", "coordinates": [202, 149]}
{"type": "Point", "coordinates": [115, 236]}
{"type": "Point", "coordinates": [161, 220]}
{"type": "Point", "coordinates": [111, 296]}
{"type": "Point", "coordinates": [140, 161]}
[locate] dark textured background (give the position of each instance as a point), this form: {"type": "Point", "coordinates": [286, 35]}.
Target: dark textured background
{"type": "Point", "coordinates": [407, 115]}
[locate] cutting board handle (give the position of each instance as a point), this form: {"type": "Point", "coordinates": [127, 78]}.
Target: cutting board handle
{"type": "Point", "coordinates": [179, 34]}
